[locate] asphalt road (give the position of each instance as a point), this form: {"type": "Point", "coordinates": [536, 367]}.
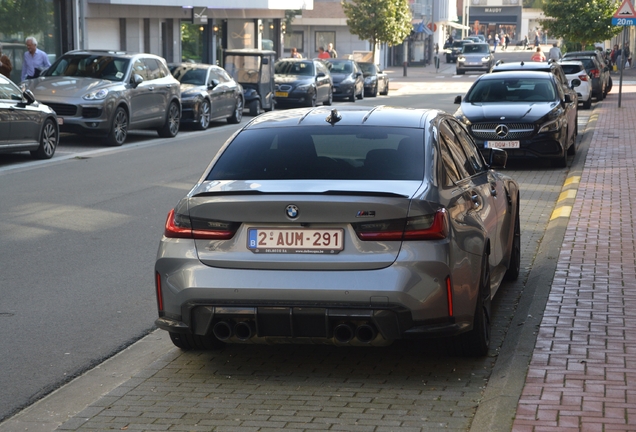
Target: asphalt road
{"type": "Point", "coordinates": [79, 235]}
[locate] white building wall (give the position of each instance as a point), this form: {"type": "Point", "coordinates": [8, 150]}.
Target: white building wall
{"type": "Point", "coordinates": [102, 34]}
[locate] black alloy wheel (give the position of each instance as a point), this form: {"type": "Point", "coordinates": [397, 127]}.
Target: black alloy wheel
{"type": "Point", "coordinates": [237, 114]}
{"type": "Point", "coordinates": [204, 115]}
{"type": "Point", "coordinates": [170, 128]}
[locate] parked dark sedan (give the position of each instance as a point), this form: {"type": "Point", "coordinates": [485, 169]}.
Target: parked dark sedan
{"type": "Point", "coordinates": [356, 226]}
{"type": "Point", "coordinates": [106, 93]}
{"type": "Point", "coordinates": [25, 124]}
{"type": "Point", "coordinates": [302, 82]}
{"type": "Point", "coordinates": [525, 113]}
{"type": "Point", "coordinates": [375, 80]}
{"type": "Point", "coordinates": [348, 82]}
{"type": "Point", "coordinates": [208, 93]}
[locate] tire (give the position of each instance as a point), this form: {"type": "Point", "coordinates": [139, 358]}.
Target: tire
{"type": "Point", "coordinates": [329, 100]}
{"type": "Point", "coordinates": [49, 139]}
{"type": "Point", "coordinates": [170, 128]}
{"type": "Point", "coordinates": [572, 149]}
{"type": "Point", "coordinates": [119, 128]}
{"type": "Point", "coordinates": [352, 98]}
{"type": "Point", "coordinates": [361, 95]}
{"type": "Point", "coordinates": [588, 103]}
{"type": "Point", "coordinates": [448, 59]}
{"type": "Point", "coordinates": [312, 101]}
{"type": "Point", "coordinates": [475, 343]}
{"type": "Point", "coordinates": [386, 90]}
{"type": "Point", "coordinates": [195, 342]}
{"type": "Point", "coordinates": [204, 115]}
{"type": "Point", "coordinates": [459, 72]}
{"type": "Point", "coordinates": [610, 84]}
{"type": "Point", "coordinates": [562, 162]}
{"type": "Point", "coordinates": [374, 93]}
{"type": "Point", "coordinates": [237, 114]}
{"type": "Point", "coordinates": [255, 107]}
{"type": "Point", "coordinates": [514, 265]}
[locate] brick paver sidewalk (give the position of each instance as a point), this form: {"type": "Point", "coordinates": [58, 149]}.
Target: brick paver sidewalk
{"type": "Point", "coordinates": [582, 376]}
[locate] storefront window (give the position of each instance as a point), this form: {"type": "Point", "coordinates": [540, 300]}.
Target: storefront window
{"type": "Point", "coordinates": [37, 18]}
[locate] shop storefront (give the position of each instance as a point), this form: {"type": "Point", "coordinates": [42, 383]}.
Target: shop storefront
{"type": "Point", "coordinates": [493, 20]}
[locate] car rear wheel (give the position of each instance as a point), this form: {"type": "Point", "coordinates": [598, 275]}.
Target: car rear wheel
{"type": "Point", "coordinates": [329, 100]}
{"type": "Point", "coordinates": [514, 266]}
{"type": "Point", "coordinates": [119, 128]}
{"type": "Point", "coordinates": [588, 103]}
{"type": "Point", "coordinates": [475, 342]}
{"type": "Point", "coordinates": [48, 141]}
{"type": "Point", "coordinates": [195, 342]}
{"type": "Point", "coordinates": [237, 115]}
{"type": "Point", "coordinates": [204, 115]}
{"type": "Point", "coordinates": [255, 107]}
{"type": "Point", "coordinates": [361, 95]}
{"type": "Point", "coordinates": [171, 126]}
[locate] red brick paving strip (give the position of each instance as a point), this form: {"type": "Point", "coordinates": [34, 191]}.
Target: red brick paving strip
{"type": "Point", "coordinates": [582, 375]}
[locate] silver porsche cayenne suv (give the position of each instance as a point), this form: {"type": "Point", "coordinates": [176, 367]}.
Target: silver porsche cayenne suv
{"type": "Point", "coordinates": [355, 226]}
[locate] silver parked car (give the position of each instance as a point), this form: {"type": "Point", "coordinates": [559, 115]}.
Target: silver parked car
{"type": "Point", "coordinates": [25, 124]}
{"type": "Point", "coordinates": [106, 93]}
{"type": "Point", "coordinates": [356, 226]}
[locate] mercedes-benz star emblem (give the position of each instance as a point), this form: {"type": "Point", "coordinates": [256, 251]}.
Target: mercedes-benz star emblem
{"type": "Point", "coordinates": [501, 131]}
{"type": "Point", "coordinates": [291, 211]}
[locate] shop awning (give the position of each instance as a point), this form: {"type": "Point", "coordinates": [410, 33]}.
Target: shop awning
{"type": "Point", "coordinates": [455, 25]}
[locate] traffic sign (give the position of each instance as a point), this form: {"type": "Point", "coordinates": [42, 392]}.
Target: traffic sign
{"type": "Point", "coordinates": [625, 15]}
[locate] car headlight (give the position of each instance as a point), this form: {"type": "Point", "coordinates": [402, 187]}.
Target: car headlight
{"type": "Point", "coordinates": [485, 59]}
{"type": "Point", "coordinates": [369, 80]}
{"type": "Point", "coordinates": [461, 59]}
{"type": "Point", "coordinates": [553, 126]}
{"type": "Point", "coordinates": [303, 87]}
{"type": "Point", "coordinates": [348, 80]}
{"type": "Point", "coordinates": [96, 95]}
{"type": "Point", "coordinates": [459, 115]}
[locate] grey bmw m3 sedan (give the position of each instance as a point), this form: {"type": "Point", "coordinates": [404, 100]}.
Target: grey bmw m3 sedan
{"type": "Point", "coordinates": [349, 226]}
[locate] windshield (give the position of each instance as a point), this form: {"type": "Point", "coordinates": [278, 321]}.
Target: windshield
{"type": "Point", "coordinates": [512, 90]}
{"type": "Point", "coordinates": [476, 48]}
{"type": "Point", "coordinates": [190, 76]}
{"type": "Point", "coordinates": [90, 66]}
{"type": "Point", "coordinates": [323, 153]}
{"type": "Point", "coordinates": [243, 69]}
{"type": "Point", "coordinates": [294, 68]}
{"type": "Point", "coordinates": [341, 67]}
{"type": "Point", "coordinates": [367, 68]}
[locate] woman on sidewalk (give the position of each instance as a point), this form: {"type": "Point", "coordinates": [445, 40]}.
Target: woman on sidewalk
{"type": "Point", "coordinates": [538, 55]}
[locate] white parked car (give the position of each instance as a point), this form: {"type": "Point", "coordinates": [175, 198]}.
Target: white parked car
{"type": "Point", "coordinates": [576, 69]}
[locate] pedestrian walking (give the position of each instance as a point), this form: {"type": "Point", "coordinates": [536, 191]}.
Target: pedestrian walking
{"type": "Point", "coordinates": [555, 52]}
{"type": "Point", "coordinates": [538, 55]}
{"type": "Point", "coordinates": [496, 42]}
{"type": "Point", "coordinates": [506, 40]}
{"type": "Point", "coordinates": [332, 51]}
{"type": "Point", "coordinates": [5, 64]}
{"type": "Point", "coordinates": [295, 53]}
{"type": "Point", "coordinates": [35, 60]}
{"type": "Point", "coordinates": [322, 54]}
{"type": "Point", "coordinates": [536, 39]}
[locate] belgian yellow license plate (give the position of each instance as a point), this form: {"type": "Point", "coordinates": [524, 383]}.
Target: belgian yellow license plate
{"type": "Point", "coordinates": [281, 94]}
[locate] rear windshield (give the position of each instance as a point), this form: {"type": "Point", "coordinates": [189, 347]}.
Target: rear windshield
{"type": "Point", "coordinates": [571, 69]}
{"type": "Point", "coordinates": [323, 153]}
{"type": "Point", "coordinates": [512, 90]}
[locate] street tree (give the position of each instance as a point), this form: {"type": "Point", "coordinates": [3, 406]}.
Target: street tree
{"type": "Point", "coordinates": [28, 17]}
{"type": "Point", "coordinates": [379, 21]}
{"type": "Point", "coordinates": [580, 22]}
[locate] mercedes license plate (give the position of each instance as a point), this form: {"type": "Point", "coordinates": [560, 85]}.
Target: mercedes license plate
{"type": "Point", "coordinates": [501, 144]}
{"type": "Point", "coordinates": [295, 241]}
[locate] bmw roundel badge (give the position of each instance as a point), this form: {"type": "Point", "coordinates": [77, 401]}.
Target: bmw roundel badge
{"type": "Point", "coordinates": [291, 211]}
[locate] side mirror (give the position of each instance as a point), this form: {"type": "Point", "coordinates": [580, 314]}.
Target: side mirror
{"type": "Point", "coordinates": [458, 100]}
{"type": "Point", "coordinates": [498, 158]}
{"type": "Point", "coordinates": [358, 74]}
{"type": "Point", "coordinates": [213, 83]}
{"type": "Point", "coordinates": [136, 80]}
{"type": "Point", "coordinates": [568, 98]}
{"type": "Point", "coordinates": [29, 96]}
{"type": "Point", "coordinates": [575, 82]}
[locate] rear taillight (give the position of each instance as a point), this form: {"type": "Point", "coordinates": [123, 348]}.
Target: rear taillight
{"type": "Point", "coordinates": [428, 227]}
{"type": "Point", "coordinates": [595, 73]}
{"type": "Point", "coordinates": [182, 226]}
{"type": "Point", "coordinates": [583, 77]}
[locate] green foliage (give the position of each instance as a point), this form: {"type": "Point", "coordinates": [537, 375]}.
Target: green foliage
{"type": "Point", "coordinates": [580, 21]}
{"type": "Point", "coordinates": [191, 42]}
{"type": "Point", "coordinates": [379, 20]}
{"type": "Point", "coordinates": [28, 17]}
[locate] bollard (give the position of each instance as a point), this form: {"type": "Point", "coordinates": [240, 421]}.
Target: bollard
{"type": "Point", "coordinates": [404, 74]}
{"type": "Point", "coordinates": [436, 63]}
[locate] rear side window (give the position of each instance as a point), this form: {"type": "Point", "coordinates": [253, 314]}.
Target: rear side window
{"type": "Point", "coordinates": [323, 153]}
{"type": "Point", "coordinates": [571, 69]}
